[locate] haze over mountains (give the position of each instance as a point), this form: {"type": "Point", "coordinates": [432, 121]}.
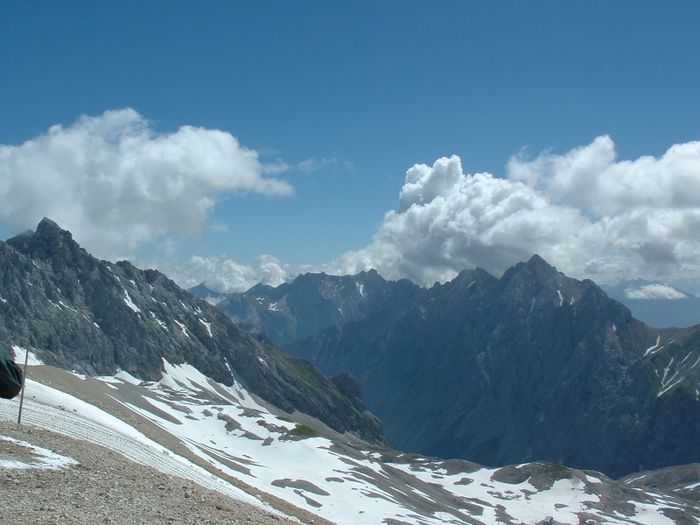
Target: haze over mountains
{"type": "Point", "coordinates": [533, 365]}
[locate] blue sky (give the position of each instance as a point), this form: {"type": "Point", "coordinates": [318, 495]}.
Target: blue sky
{"type": "Point", "coordinates": [371, 87]}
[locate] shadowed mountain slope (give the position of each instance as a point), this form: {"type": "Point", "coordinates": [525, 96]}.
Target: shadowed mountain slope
{"type": "Point", "coordinates": [532, 365]}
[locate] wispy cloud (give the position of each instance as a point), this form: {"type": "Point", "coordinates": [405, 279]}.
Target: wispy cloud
{"type": "Point", "coordinates": [311, 165]}
{"type": "Point", "coordinates": [219, 227]}
{"type": "Point", "coordinates": [276, 167]}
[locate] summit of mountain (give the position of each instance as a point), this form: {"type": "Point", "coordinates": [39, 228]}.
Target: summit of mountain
{"type": "Point", "coordinates": [96, 317]}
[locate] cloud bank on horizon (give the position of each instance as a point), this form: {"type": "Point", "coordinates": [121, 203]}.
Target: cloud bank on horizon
{"type": "Point", "coordinates": [117, 184]}
{"type": "Point", "coordinates": [585, 211]}
{"type": "Point", "coordinates": [654, 291]}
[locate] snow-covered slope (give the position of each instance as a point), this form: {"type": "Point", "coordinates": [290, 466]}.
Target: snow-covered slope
{"type": "Point", "coordinates": [232, 435]}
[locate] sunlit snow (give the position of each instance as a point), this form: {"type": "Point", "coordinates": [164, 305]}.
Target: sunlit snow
{"type": "Point", "coordinates": [129, 302]}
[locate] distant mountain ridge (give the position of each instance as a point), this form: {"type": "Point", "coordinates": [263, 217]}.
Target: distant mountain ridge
{"type": "Point", "coordinates": [96, 317]}
{"type": "Point", "coordinates": [534, 365]}
{"type": "Point", "coordinates": [312, 302]}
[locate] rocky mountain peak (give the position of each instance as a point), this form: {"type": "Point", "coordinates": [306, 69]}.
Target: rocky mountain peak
{"type": "Point", "coordinates": [46, 225]}
{"type": "Point", "coordinates": [95, 317]}
{"type": "Point", "coordinates": [536, 280]}
{"type": "Point", "coordinates": [202, 291]}
{"type": "Point", "coordinates": [370, 276]}
{"type": "Point", "coordinates": [49, 243]}
{"type": "Point", "coordinates": [536, 261]}
{"type": "Point", "coordinates": [535, 268]}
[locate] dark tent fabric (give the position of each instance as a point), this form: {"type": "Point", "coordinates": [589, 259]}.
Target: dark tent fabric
{"type": "Point", "coordinates": [10, 376]}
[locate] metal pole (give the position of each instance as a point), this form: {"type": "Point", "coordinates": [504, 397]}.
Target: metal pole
{"type": "Point", "coordinates": [24, 382]}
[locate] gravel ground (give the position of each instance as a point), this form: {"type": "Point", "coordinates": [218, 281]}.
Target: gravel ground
{"type": "Point", "coordinates": [105, 487]}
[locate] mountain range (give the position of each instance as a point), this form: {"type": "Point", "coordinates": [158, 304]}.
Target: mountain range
{"type": "Point", "coordinates": [98, 318]}
{"type": "Point", "coordinates": [532, 365]}
{"type": "Point", "coordinates": [124, 358]}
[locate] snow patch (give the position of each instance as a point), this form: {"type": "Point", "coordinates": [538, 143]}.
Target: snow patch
{"type": "Point", "coordinates": [22, 353]}
{"type": "Point", "coordinates": [161, 323]}
{"type": "Point", "coordinates": [64, 305]}
{"type": "Point", "coordinates": [654, 347]}
{"type": "Point", "coordinates": [207, 325]}
{"type": "Point", "coordinates": [127, 377]}
{"type": "Point", "coordinates": [44, 458]}
{"type": "Point", "coordinates": [667, 383]}
{"type": "Point", "coordinates": [182, 327]}
{"type": "Point", "coordinates": [129, 302]}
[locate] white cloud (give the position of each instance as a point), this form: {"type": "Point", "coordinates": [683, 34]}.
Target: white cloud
{"type": "Point", "coordinates": [312, 165]}
{"type": "Point", "coordinates": [219, 227]}
{"type": "Point", "coordinates": [654, 291]}
{"type": "Point", "coordinates": [116, 183]}
{"type": "Point", "coordinates": [448, 221]}
{"type": "Point", "coordinates": [276, 167]}
{"type": "Point", "coordinates": [592, 178]}
{"type": "Point", "coordinates": [584, 211]}
{"type": "Point", "coordinates": [221, 274]}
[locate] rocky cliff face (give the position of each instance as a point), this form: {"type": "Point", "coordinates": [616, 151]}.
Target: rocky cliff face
{"type": "Point", "coordinates": [530, 366]}
{"type": "Point", "coordinates": [96, 317]}
{"type": "Point", "coordinates": [313, 302]}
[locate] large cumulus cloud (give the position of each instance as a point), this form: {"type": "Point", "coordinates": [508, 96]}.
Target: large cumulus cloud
{"type": "Point", "coordinates": [115, 182]}
{"type": "Point", "coordinates": [585, 211]}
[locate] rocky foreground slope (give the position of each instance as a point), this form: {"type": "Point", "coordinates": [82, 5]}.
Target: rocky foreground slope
{"type": "Point", "coordinates": [98, 485]}
{"type": "Point", "coordinates": [186, 424]}
{"type": "Point", "coordinates": [531, 365]}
